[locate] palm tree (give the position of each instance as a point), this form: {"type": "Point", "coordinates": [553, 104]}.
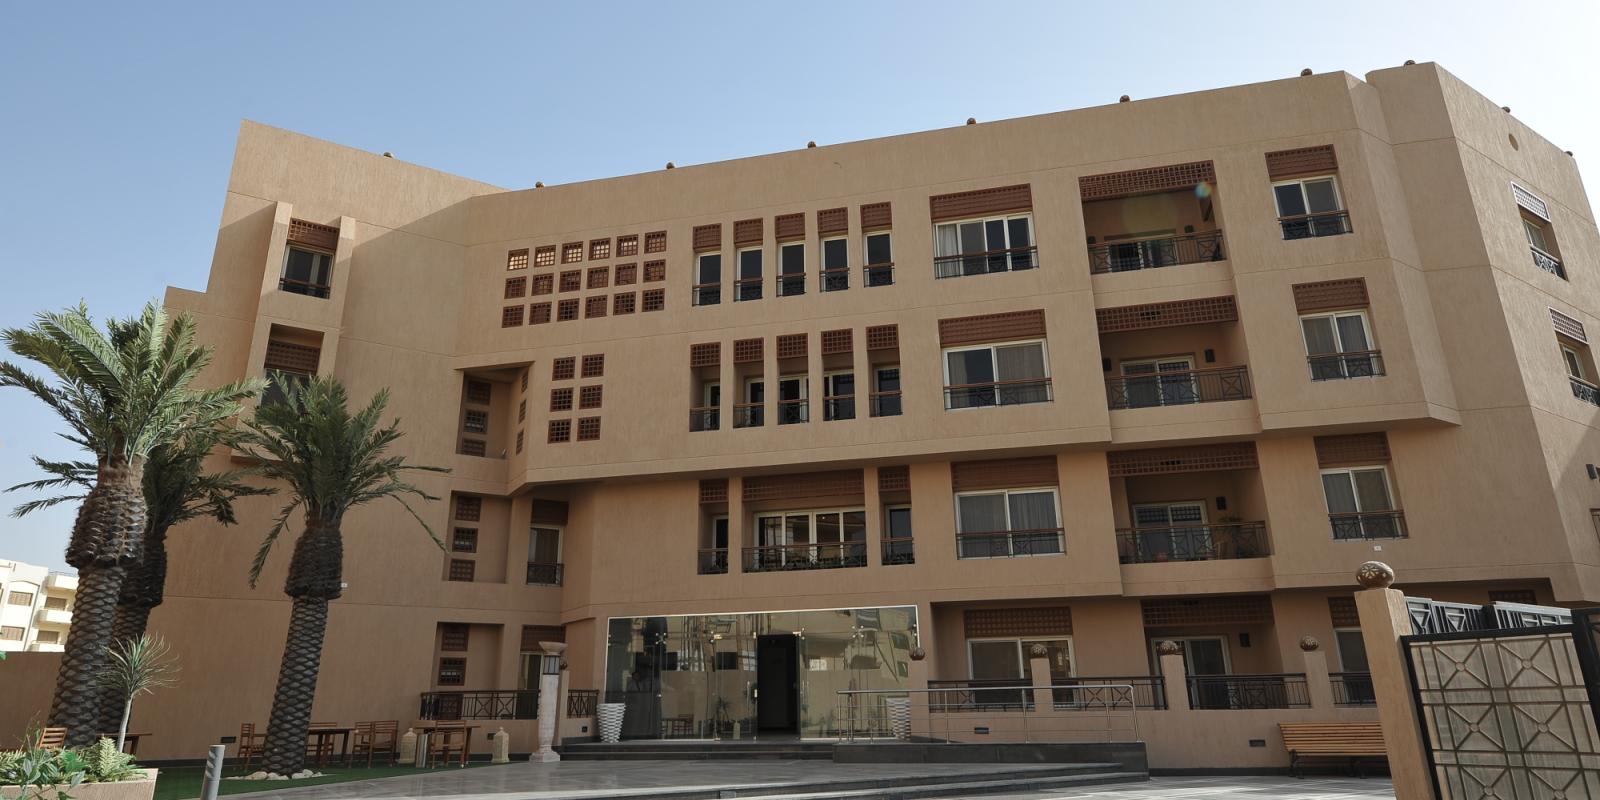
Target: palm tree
{"type": "Point", "coordinates": [137, 666]}
{"type": "Point", "coordinates": [176, 489]}
{"type": "Point", "coordinates": [122, 393]}
{"type": "Point", "coordinates": [331, 461]}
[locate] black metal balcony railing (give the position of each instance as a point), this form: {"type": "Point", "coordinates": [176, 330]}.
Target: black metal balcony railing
{"type": "Point", "coordinates": [1585, 391]}
{"type": "Point", "coordinates": [841, 407]}
{"type": "Point", "coordinates": [582, 702]}
{"type": "Point", "coordinates": [898, 550]}
{"type": "Point", "coordinates": [878, 274]}
{"type": "Point", "coordinates": [1353, 689]}
{"type": "Point", "coordinates": [1368, 525]}
{"type": "Point", "coordinates": [836, 279]}
{"type": "Point", "coordinates": [793, 412]}
{"type": "Point", "coordinates": [1178, 388]}
{"type": "Point", "coordinates": [480, 704]}
{"type": "Point", "coordinates": [1166, 251]}
{"type": "Point", "coordinates": [1010, 544]}
{"type": "Point", "coordinates": [1012, 259]}
{"type": "Point", "coordinates": [747, 289]}
{"type": "Point", "coordinates": [784, 557]}
{"type": "Point", "coordinates": [1339, 366]}
{"type": "Point", "coordinates": [544, 573]}
{"type": "Point", "coordinates": [791, 284]}
{"type": "Point", "coordinates": [707, 294]}
{"type": "Point", "coordinates": [1149, 693]}
{"type": "Point", "coordinates": [998, 393]}
{"type": "Point", "coordinates": [1311, 226]}
{"type": "Point", "coordinates": [748, 415]}
{"type": "Point", "coordinates": [306, 288]}
{"type": "Point", "coordinates": [712, 561]}
{"type": "Point", "coordinates": [1548, 263]}
{"type": "Point", "coordinates": [1193, 543]}
{"type": "Point", "coordinates": [704, 419]}
{"type": "Point", "coordinates": [1016, 694]}
{"type": "Point", "coordinates": [885, 404]}
{"type": "Point", "coordinates": [1236, 692]}
{"type": "Point", "coordinates": [1007, 694]}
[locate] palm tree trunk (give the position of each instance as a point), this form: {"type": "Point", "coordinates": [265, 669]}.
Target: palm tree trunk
{"type": "Point", "coordinates": [130, 624]}
{"type": "Point", "coordinates": [285, 747]}
{"type": "Point", "coordinates": [77, 700]}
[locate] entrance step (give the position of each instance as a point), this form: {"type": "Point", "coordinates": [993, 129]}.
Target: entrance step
{"type": "Point", "coordinates": [978, 780]}
{"type": "Point", "coordinates": [698, 750]}
{"type": "Point", "coordinates": [965, 789]}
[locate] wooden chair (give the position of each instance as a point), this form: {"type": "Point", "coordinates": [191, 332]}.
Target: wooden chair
{"type": "Point", "coordinates": [53, 738]}
{"type": "Point", "coordinates": [250, 744]}
{"type": "Point", "coordinates": [319, 748]}
{"type": "Point", "coordinates": [377, 737]}
{"type": "Point", "coordinates": [448, 738]}
{"type": "Point", "coordinates": [1350, 741]}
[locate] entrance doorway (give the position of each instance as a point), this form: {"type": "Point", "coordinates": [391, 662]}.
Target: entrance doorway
{"type": "Point", "coordinates": [777, 683]}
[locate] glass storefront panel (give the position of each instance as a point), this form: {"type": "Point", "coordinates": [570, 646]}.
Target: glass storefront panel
{"type": "Point", "coordinates": [704, 676]}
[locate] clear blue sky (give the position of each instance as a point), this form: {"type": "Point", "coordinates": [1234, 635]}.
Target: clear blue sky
{"type": "Point", "coordinates": [117, 120]}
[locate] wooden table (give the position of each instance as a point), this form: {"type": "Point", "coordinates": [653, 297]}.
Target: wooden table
{"type": "Point", "coordinates": [466, 748]}
{"type": "Point", "coordinates": [130, 743]}
{"type": "Point", "coordinates": [322, 733]}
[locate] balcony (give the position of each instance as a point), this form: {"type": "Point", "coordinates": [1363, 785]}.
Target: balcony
{"type": "Point", "coordinates": [307, 288]}
{"type": "Point", "coordinates": [1548, 263]}
{"type": "Point", "coordinates": [786, 557]}
{"type": "Point", "coordinates": [1353, 689]}
{"type": "Point", "coordinates": [1162, 251]}
{"type": "Point", "coordinates": [1248, 692]}
{"type": "Point", "coordinates": [707, 294]}
{"type": "Point", "coordinates": [878, 274]}
{"type": "Point", "coordinates": [1340, 366]}
{"type": "Point", "coordinates": [61, 581]}
{"type": "Point", "coordinates": [1311, 226]}
{"type": "Point", "coordinates": [836, 280]}
{"type": "Point", "coordinates": [747, 289]}
{"type": "Point", "coordinates": [52, 617]}
{"type": "Point", "coordinates": [480, 704]}
{"type": "Point", "coordinates": [748, 415]}
{"type": "Point", "coordinates": [885, 404]}
{"type": "Point", "coordinates": [1192, 543]}
{"type": "Point", "coordinates": [1178, 388]}
{"type": "Point", "coordinates": [1010, 544]}
{"type": "Point", "coordinates": [706, 418]}
{"type": "Point", "coordinates": [1585, 391]}
{"type": "Point", "coordinates": [1011, 259]}
{"type": "Point", "coordinates": [841, 407]}
{"type": "Point", "coordinates": [1362, 525]}
{"type": "Point", "coordinates": [997, 393]}
{"type": "Point", "coordinates": [898, 551]}
{"type": "Point", "coordinates": [793, 412]}
{"type": "Point", "coordinates": [37, 646]}
{"type": "Point", "coordinates": [712, 561]}
{"type": "Point", "coordinates": [544, 573]}
{"type": "Point", "coordinates": [791, 284]}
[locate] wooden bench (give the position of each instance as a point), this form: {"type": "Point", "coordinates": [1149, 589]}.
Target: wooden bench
{"type": "Point", "coordinates": [1353, 741]}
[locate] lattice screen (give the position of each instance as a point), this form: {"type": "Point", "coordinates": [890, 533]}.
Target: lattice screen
{"type": "Point", "coordinates": [591, 396]}
{"type": "Point", "coordinates": [983, 623]}
{"type": "Point", "coordinates": [1144, 181]}
{"type": "Point", "coordinates": [792, 345]}
{"type": "Point", "coordinates": [567, 310]}
{"type": "Point", "coordinates": [511, 316]}
{"type": "Point", "coordinates": [813, 484]}
{"type": "Point", "coordinates": [290, 357]}
{"type": "Point", "coordinates": [311, 234]}
{"type": "Point", "coordinates": [469, 508]}
{"type": "Point", "coordinates": [1329, 295]}
{"type": "Point", "coordinates": [532, 635]}
{"type": "Point", "coordinates": [713, 490]}
{"type": "Point", "coordinates": [517, 259]}
{"type": "Point", "coordinates": [560, 431]}
{"type": "Point", "coordinates": [594, 366]}
{"type": "Point", "coordinates": [1284, 164]}
{"type": "Point", "coordinates": [594, 306]}
{"type": "Point", "coordinates": [653, 299]}
{"type": "Point", "coordinates": [564, 368]}
{"type": "Point", "coordinates": [588, 429]}
{"type": "Point", "coordinates": [516, 287]}
{"type": "Point", "coordinates": [748, 231]}
{"type": "Point", "coordinates": [538, 313]}
{"type": "Point", "coordinates": [833, 220]}
{"type": "Point", "coordinates": [883, 337]}
{"type": "Point", "coordinates": [1237, 610]}
{"type": "Point", "coordinates": [977, 203]}
{"type": "Point", "coordinates": [789, 226]}
{"type": "Point", "coordinates": [1342, 612]}
{"type": "Point", "coordinates": [1165, 315]}
{"type": "Point", "coordinates": [571, 252]}
{"type": "Point", "coordinates": [599, 249]}
{"type": "Point", "coordinates": [837, 341]}
{"type": "Point", "coordinates": [877, 216]}
{"type": "Point", "coordinates": [545, 256]}
{"type": "Point", "coordinates": [599, 277]}
{"type": "Point", "coordinates": [628, 245]}
{"type": "Point", "coordinates": [627, 274]}
{"type": "Point", "coordinates": [1568, 327]}
{"type": "Point", "coordinates": [544, 284]}
{"type": "Point", "coordinates": [894, 479]}
{"type": "Point", "coordinates": [622, 303]}
{"type": "Point", "coordinates": [1176, 460]}
{"type": "Point", "coordinates": [747, 351]}
{"type": "Point", "coordinates": [706, 354]}
{"type": "Point", "coordinates": [1010, 473]}
{"type": "Point", "coordinates": [655, 271]}
{"type": "Point", "coordinates": [1355, 448]}
{"type": "Point", "coordinates": [561, 399]}
{"type": "Point", "coordinates": [708, 237]}
{"type": "Point", "coordinates": [655, 242]}
{"type": "Point", "coordinates": [992, 328]}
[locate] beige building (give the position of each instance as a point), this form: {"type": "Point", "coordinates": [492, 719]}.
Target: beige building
{"type": "Point", "coordinates": [35, 607]}
{"type": "Point", "coordinates": [744, 434]}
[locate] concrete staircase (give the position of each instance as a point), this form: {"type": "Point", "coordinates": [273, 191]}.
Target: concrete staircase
{"type": "Point", "coordinates": [698, 750]}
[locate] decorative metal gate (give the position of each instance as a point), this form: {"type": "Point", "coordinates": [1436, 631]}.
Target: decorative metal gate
{"type": "Point", "coordinates": [1509, 699]}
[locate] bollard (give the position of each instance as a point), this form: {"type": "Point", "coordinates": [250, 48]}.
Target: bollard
{"type": "Point", "coordinates": [213, 776]}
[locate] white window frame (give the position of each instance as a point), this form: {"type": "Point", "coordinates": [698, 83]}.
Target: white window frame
{"type": "Point", "coordinates": [1388, 486]}
{"type": "Point", "coordinates": [697, 284]}
{"type": "Point", "coordinates": [1033, 233]}
{"type": "Point", "coordinates": [561, 539]}
{"type": "Point", "coordinates": [706, 392]}
{"type": "Point", "coordinates": [994, 364]}
{"type": "Point", "coordinates": [781, 276]}
{"type": "Point", "coordinates": [1162, 378]}
{"type": "Point", "coordinates": [738, 272]}
{"type": "Point", "coordinates": [866, 238]}
{"type": "Point", "coordinates": [1573, 358]}
{"type": "Point", "coordinates": [1055, 496]}
{"type": "Point", "coordinates": [1333, 316]}
{"type": "Point", "coordinates": [1200, 504]}
{"type": "Point", "coordinates": [811, 514]}
{"type": "Point", "coordinates": [1022, 655]}
{"type": "Point", "coordinates": [1305, 200]}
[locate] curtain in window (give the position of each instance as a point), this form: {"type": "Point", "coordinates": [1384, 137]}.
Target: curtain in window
{"type": "Point", "coordinates": [545, 546]}
{"type": "Point", "coordinates": [946, 241]}
{"type": "Point", "coordinates": [980, 513]}
{"type": "Point", "coordinates": [1372, 490]}
{"type": "Point", "coordinates": [1320, 196]}
{"type": "Point", "coordinates": [1020, 362]}
{"type": "Point", "coordinates": [1352, 334]}
{"type": "Point", "coordinates": [1319, 336]}
{"type": "Point", "coordinates": [1340, 494]}
{"type": "Point", "coordinates": [1031, 511]}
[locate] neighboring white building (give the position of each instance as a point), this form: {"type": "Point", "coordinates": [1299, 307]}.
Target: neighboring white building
{"type": "Point", "coordinates": [35, 607]}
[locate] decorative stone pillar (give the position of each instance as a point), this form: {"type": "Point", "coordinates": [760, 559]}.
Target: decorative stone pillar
{"type": "Point", "coordinates": [1174, 676]}
{"type": "Point", "coordinates": [408, 747]}
{"type": "Point", "coordinates": [1383, 621]}
{"type": "Point", "coordinates": [549, 694]}
{"type": "Point", "coordinates": [1319, 686]}
{"type": "Point", "coordinates": [1044, 698]}
{"type": "Point", "coordinates": [502, 747]}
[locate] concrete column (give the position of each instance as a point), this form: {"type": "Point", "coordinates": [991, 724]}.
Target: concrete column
{"type": "Point", "coordinates": [861, 364]}
{"type": "Point", "coordinates": [1174, 677]}
{"type": "Point", "coordinates": [1319, 687]}
{"type": "Point", "coordinates": [1043, 697]}
{"type": "Point", "coordinates": [874, 506]}
{"type": "Point", "coordinates": [549, 696]}
{"type": "Point", "coordinates": [728, 379]}
{"type": "Point", "coordinates": [736, 525]}
{"type": "Point", "coordinates": [1383, 621]}
{"type": "Point", "coordinates": [814, 393]}
{"type": "Point", "coordinates": [769, 381]}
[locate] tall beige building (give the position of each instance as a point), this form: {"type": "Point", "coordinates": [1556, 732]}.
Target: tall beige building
{"type": "Point", "coordinates": [35, 607]}
{"type": "Point", "coordinates": [744, 434]}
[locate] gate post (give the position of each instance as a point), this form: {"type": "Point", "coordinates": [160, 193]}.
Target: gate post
{"type": "Point", "coordinates": [1383, 621]}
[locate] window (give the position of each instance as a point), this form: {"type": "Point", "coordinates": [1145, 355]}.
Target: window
{"type": "Point", "coordinates": [628, 245]}
{"type": "Point", "coordinates": [1310, 207]}
{"type": "Point", "coordinates": [1010, 659]}
{"type": "Point", "coordinates": [708, 279]}
{"type": "Point", "coordinates": [748, 285]}
{"type": "Point", "coordinates": [544, 284]}
{"type": "Point", "coordinates": [516, 287]}
{"type": "Point", "coordinates": [561, 399]}
{"type": "Point", "coordinates": [594, 306]}
{"type": "Point", "coordinates": [1574, 361]}
{"type": "Point", "coordinates": [1339, 345]}
{"type": "Point", "coordinates": [897, 535]}
{"type": "Point", "coordinates": [594, 366]}
{"type": "Point", "coordinates": [452, 671]}
{"type": "Point", "coordinates": [839, 395]}
{"type": "Point", "coordinates": [306, 272]}
{"type": "Point", "coordinates": [544, 556]}
{"type": "Point", "coordinates": [20, 598]}
{"type": "Point", "coordinates": [517, 259]}
{"type": "Point", "coordinates": [562, 369]}
{"type": "Point", "coordinates": [996, 374]}
{"type": "Point", "coordinates": [571, 280]}
{"type": "Point", "coordinates": [599, 277]}
{"type": "Point", "coordinates": [1542, 243]}
{"type": "Point", "coordinates": [810, 539]}
{"type": "Point", "coordinates": [538, 314]}
{"type": "Point", "coordinates": [519, 441]}
{"type": "Point", "coordinates": [623, 303]}
{"type": "Point", "coordinates": [791, 269]}
{"type": "Point", "coordinates": [479, 392]}
{"type": "Point", "coordinates": [472, 447]}
{"type": "Point", "coordinates": [560, 431]}
{"type": "Point", "coordinates": [567, 310]}
{"type": "Point", "coordinates": [1360, 504]}
{"type": "Point", "coordinates": [469, 509]}
{"type": "Point", "coordinates": [655, 271]}
{"type": "Point", "coordinates": [886, 391]}
{"type": "Point", "coordinates": [835, 264]}
{"type": "Point", "coordinates": [590, 396]}
{"type": "Point", "coordinates": [794, 404]}
{"type": "Point", "coordinates": [47, 637]}
{"type": "Point", "coordinates": [980, 246]}
{"type": "Point", "coordinates": [655, 242]}
{"type": "Point", "coordinates": [588, 429]}
{"type": "Point", "coordinates": [879, 268]}
{"type": "Point", "coordinates": [653, 299]}
{"type": "Point", "coordinates": [511, 316]}
{"type": "Point", "coordinates": [465, 540]}
{"type": "Point", "coordinates": [522, 407]}
{"type": "Point", "coordinates": [1158, 382]}
{"type": "Point", "coordinates": [1169, 532]}
{"type": "Point", "coordinates": [1580, 370]}
{"type": "Point", "coordinates": [56, 603]}
{"type": "Point", "coordinates": [571, 252]}
{"type": "Point", "coordinates": [462, 569]}
{"type": "Point", "coordinates": [1008, 522]}
{"type": "Point", "coordinates": [599, 249]}
{"type": "Point", "coordinates": [453, 636]}
{"type": "Point", "coordinates": [545, 256]}
{"type": "Point", "coordinates": [627, 274]}
{"type": "Point", "coordinates": [10, 633]}
{"type": "Point", "coordinates": [475, 421]}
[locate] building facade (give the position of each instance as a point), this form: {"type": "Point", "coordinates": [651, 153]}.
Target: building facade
{"type": "Point", "coordinates": [1086, 381]}
{"type": "Point", "coordinates": [35, 607]}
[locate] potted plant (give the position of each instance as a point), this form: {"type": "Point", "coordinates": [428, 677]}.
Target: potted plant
{"type": "Point", "coordinates": [100, 771]}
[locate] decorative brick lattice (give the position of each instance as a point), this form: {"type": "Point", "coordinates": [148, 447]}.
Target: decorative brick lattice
{"type": "Point", "coordinates": [453, 671]}
{"type": "Point", "coordinates": [1238, 610]}
{"type": "Point", "coordinates": [713, 490]}
{"type": "Point", "coordinates": [1284, 164]}
{"type": "Point", "coordinates": [516, 287]}
{"type": "Point", "coordinates": [532, 635]}
{"type": "Point", "coordinates": [599, 249]}
{"type": "Point", "coordinates": [561, 399]}
{"type": "Point", "coordinates": [472, 447]}
{"type": "Point", "coordinates": [538, 313]}
{"type": "Point", "coordinates": [519, 441]}
{"type": "Point", "coordinates": [655, 242]}
{"type": "Point", "coordinates": [705, 354]}
{"type": "Point", "coordinates": [594, 366]}
{"type": "Point", "coordinates": [1527, 597]}
{"type": "Point", "coordinates": [560, 431]}
{"type": "Point", "coordinates": [1009, 473]}
{"type": "Point", "coordinates": [469, 508]}
{"type": "Point", "coordinates": [792, 345]}
{"type": "Point", "coordinates": [708, 237]}
{"type": "Point", "coordinates": [623, 303]}
{"type": "Point", "coordinates": [571, 252]}
{"type": "Point", "coordinates": [747, 351]}
{"type": "Point", "coordinates": [544, 284]}
{"type": "Point", "coordinates": [1201, 311]}
{"type": "Point", "coordinates": [748, 232]}
{"type": "Point", "coordinates": [628, 245]}
{"type": "Point", "coordinates": [1568, 327]}
{"type": "Point", "coordinates": [981, 328]}
{"type": "Point", "coordinates": [464, 540]}
{"type": "Point", "coordinates": [1355, 448]}
{"type": "Point", "coordinates": [453, 636]}
{"type": "Point", "coordinates": [653, 299]}
{"type": "Point", "coordinates": [311, 234]}
{"type": "Point", "coordinates": [563, 369]}
{"type": "Point", "coordinates": [1144, 181]}
{"type": "Point", "coordinates": [595, 306]}
{"type": "Point", "coordinates": [590, 396]}
{"type": "Point", "coordinates": [980, 202]}
{"type": "Point", "coordinates": [1342, 612]}
{"type": "Point", "coordinates": [1530, 201]}
{"type": "Point", "coordinates": [876, 216]}
{"type": "Point", "coordinates": [289, 357]}
{"type": "Point", "coordinates": [833, 220]}
{"type": "Point", "coordinates": [588, 429]}
{"type": "Point", "coordinates": [627, 274]}
{"type": "Point", "coordinates": [1177, 460]}
{"type": "Point", "coordinates": [988, 623]}
{"type": "Point", "coordinates": [479, 392]}
{"type": "Point", "coordinates": [517, 259]}
{"type": "Point", "coordinates": [883, 337]}
{"type": "Point", "coordinates": [843, 483]}
{"type": "Point", "coordinates": [1329, 295]}
{"type": "Point", "coordinates": [550, 512]}
{"type": "Point", "coordinates": [567, 310]}
{"type": "Point", "coordinates": [655, 271]}
{"type": "Point", "coordinates": [894, 479]}
{"type": "Point", "coordinates": [545, 256]}
{"type": "Point", "coordinates": [789, 226]}
{"type": "Point", "coordinates": [838, 341]}
{"type": "Point", "coordinates": [599, 277]}
{"type": "Point", "coordinates": [572, 280]}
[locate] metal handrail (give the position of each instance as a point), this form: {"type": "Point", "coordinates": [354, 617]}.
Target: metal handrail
{"type": "Point", "coordinates": [1353, 689]}
{"type": "Point", "coordinates": [1130, 255]}
{"type": "Point", "coordinates": [706, 294]}
{"type": "Point", "coordinates": [867, 713]}
{"type": "Point", "coordinates": [817, 555]}
{"type": "Point", "coordinates": [1186, 387]}
{"type": "Point", "coordinates": [1011, 259]}
{"type": "Point", "coordinates": [544, 573]}
{"type": "Point", "coordinates": [712, 561]}
{"type": "Point", "coordinates": [1547, 262]}
{"type": "Point", "coordinates": [1386, 524]}
{"type": "Point", "coordinates": [312, 289]}
{"type": "Point", "coordinates": [1234, 692]}
{"type": "Point", "coordinates": [835, 279]}
{"type": "Point", "coordinates": [582, 702]}
{"type": "Point", "coordinates": [997, 393]}
{"type": "Point", "coordinates": [898, 550]}
{"type": "Point", "coordinates": [1027, 539]}
{"type": "Point", "coordinates": [885, 404]}
{"type": "Point", "coordinates": [748, 415]}
{"type": "Point", "coordinates": [1196, 542]}
{"type": "Point", "coordinates": [742, 285]}
{"type": "Point", "coordinates": [842, 406]}
{"type": "Point", "coordinates": [480, 704]}
{"type": "Point", "coordinates": [1315, 225]}
{"type": "Point", "coordinates": [1584, 390]}
{"type": "Point", "coordinates": [791, 412]}
{"type": "Point", "coordinates": [704, 418]}
{"type": "Point", "coordinates": [1350, 364]}
{"type": "Point", "coordinates": [878, 274]}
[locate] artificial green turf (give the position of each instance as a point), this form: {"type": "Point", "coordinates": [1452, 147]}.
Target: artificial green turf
{"type": "Point", "coordinates": [181, 783]}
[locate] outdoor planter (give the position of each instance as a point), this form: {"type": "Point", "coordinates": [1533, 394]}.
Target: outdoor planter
{"type": "Point", "coordinates": [142, 789]}
{"type": "Point", "coordinates": [609, 718]}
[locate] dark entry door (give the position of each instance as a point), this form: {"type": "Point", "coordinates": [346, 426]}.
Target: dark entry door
{"type": "Point", "coordinates": [777, 683]}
